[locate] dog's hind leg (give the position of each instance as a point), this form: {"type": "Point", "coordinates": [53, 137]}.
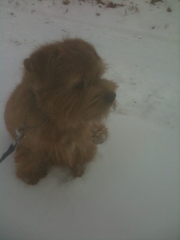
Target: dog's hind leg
{"type": "Point", "coordinates": [31, 165]}
{"type": "Point", "coordinates": [82, 156]}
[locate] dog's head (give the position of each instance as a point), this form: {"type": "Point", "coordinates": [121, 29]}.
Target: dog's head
{"type": "Point", "coordinates": [66, 78]}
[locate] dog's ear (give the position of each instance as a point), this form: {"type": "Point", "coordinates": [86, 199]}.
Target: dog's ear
{"type": "Point", "coordinates": [38, 62]}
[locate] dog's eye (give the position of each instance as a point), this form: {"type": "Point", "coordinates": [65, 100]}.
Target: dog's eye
{"type": "Point", "coordinates": [80, 85]}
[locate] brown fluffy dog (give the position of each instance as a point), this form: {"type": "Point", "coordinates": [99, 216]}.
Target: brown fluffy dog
{"type": "Point", "coordinates": [63, 99]}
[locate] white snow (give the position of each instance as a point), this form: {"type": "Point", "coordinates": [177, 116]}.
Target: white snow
{"type": "Point", "coordinates": [131, 191]}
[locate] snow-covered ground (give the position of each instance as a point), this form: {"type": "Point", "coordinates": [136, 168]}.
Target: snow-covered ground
{"type": "Point", "coordinates": [131, 191]}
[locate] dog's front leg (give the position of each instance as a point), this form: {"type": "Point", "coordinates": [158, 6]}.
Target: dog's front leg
{"type": "Point", "coordinates": [99, 132]}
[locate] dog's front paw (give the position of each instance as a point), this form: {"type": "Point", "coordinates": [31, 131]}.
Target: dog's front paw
{"type": "Point", "coordinates": [78, 170]}
{"type": "Point", "coordinates": [31, 181]}
{"type": "Point", "coordinates": [99, 133]}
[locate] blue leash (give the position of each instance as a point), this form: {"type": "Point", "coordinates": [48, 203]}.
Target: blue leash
{"type": "Point", "coordinates": [15, 144]}
{"type": "Point", "coordinates": [9, 151]}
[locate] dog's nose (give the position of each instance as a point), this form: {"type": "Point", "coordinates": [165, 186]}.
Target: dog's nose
{"type": "Point", "coordinates": [110, 97]}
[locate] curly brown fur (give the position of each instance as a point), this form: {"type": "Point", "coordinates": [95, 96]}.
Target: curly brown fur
{"type": "Point", "coordinates": [65, 78]}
